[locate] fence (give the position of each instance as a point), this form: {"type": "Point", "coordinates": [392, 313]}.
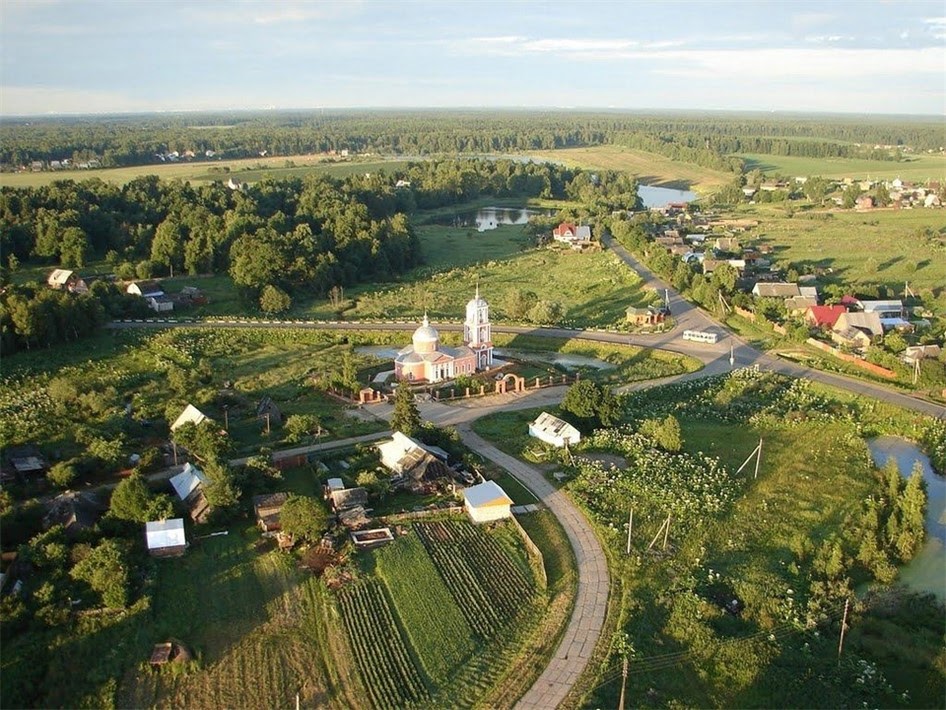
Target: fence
{"type": "Point", "coordinates": [853, 359]}
{"type": "Point", "coordinates": [533, 548]}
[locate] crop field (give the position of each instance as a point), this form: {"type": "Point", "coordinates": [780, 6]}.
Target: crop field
{"type": "Point", "coordinates": [916, 168]}
{"type": "Point", "coordinates": [649, 168]}
{"type": "Point", "coordinates": [490, 588]}
{"type": "Point", "coordinates": [459, 607]}
{"type": "Point", "coordinates": [382, 656]}
{"type": "Point", "coordinates": [437, 630]}
{"type": "Point", "coordinates": [881, 246]}
{"type": "Point", "coordinates": [245, 170]}
{"type": "Point", "coordinates": [255, 625]}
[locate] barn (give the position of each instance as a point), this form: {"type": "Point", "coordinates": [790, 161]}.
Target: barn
{"type": "Point", "coordinates": [553, 430]}
{"type": "Point", "coordinates": [165, 538]}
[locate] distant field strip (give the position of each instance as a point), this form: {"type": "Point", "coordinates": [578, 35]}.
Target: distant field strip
{"type": "Point", "coordinates": [919, 168]}
{"type": "Point", "coordinates": [650, 168]}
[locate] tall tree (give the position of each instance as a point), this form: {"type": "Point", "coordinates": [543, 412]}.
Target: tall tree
{"type": "Point", "coordinates": [406, 417]}
{"type": "Point", "coordinates": [304, 518]}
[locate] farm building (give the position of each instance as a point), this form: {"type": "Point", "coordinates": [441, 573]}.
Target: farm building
{"type": "Point", "coordinates": [349, 498]}
{"type": "Point", "coordinates": [152, 292]}
{"type": "Point", "coordinates": [915, 353]}
{"type": "Point", "coordinates": [267, 411]}
{"type": "Point", "coordinates": [486, 501]}
{"type": "Point", "coordinates": [267, 507]}
{"type": "Point", "coordinates": [190, 415]}
{"type": "Point", "coordinates": [26, 461]}
{"type": "Point", "coordinates": [411, 461]}
{"type": "Point", "coordinates": [553, 430]}
{"type": "Point", "coordinates": [776, 290]}
{"type": "Point", "coordinates": [66, 280]}
{"type": "Point", "coordinates": [165, 538]}
{"type": "Point", "coordinates": [189, 487]}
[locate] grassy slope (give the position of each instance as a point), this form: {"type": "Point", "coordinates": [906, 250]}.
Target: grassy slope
{"type": "Point", "coordinates": [918, 168]}
{"type": "Point", "coordinates": [650, 169]}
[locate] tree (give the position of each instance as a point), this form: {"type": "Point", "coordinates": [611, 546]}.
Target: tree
{"type": "Point", "coordinates": [377, 485]}
{"type": "Point", "coordinates": [582, 401]}
{"type": "Point", "coordinates": [911, 509]}
{"type": "Point", "coordinates": [106, 570]}
{"type": "Point", "coordinates": [274, 300]}
{"type": "Point", "coordinates": [107, 451]}
{"type": "Point", "coordinates": [304, 518]}
{"type": "Point", "coordinates": [725, 277]}
{"type": "Point", "coordinates": [62, 474]}
{"type": "Point", "coordinates": [205, 440]}
{"type": "Point", "coordinates": [665, 433]}
{"type": "Point", "coordinates": [221, 491]}
{"type": "Point", "coordinates": [167, 247]}
{"type": "Point", "coordinates": [132, 501]}
{"type": "Point", "coordinates": [299, 426]}
{"type": "Point", "coordinates": [73, 247]}
{"type": "Point", "coordinates": [406, 416]}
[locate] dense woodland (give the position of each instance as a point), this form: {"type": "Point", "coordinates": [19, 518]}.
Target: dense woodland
{"type": "Point", "coordinates": [705, 139]}
{"type": "Point", "coordinates": [277, 239]}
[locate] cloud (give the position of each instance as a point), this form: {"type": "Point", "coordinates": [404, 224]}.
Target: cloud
{"type": "Point", "coordinates": [937, 26]}
{"type": "Point", "coordinates": [807, 20]}
{"type": "Point", "coordinates": [257, 12]}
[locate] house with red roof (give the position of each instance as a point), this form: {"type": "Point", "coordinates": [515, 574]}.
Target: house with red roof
{"type": "Point", "coordinates": [824, 316]}
{"type": "Point", "coordinates": [571, 234]}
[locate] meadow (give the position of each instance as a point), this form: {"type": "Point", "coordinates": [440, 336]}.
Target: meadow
{"type": "Point", "coordinates": [766, 542]}
{"type": "Point", "coordinates": [648, 168]}
{"type": "Point", "coordinates": [916, 168]}
{"type": "Point", "coordinates": [244, 170]}
{"type": "Point", "coordinates": [886, 246]}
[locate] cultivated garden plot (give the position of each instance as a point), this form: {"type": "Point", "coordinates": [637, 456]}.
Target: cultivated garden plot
{"type": "Point", "coordinates": [445, 616]}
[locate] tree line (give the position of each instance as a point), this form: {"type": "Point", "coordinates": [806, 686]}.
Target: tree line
{"type": "Point", "coordinates": [139, 140]}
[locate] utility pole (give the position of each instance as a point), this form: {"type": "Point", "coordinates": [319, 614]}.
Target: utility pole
{"type": "Point", "coordinates": [226, 417]}
{"type": "Point", "coordinates": [630, 529]}
{"type": "Point", "coordinates": [623, 684]}
{"type": "Point", "coordinates": [732, 356]}
{"type": "Point", "coordinates": [666, 532]}
{"type": "Point", "coordinates": [758, 459]}
{"type": "Point", "coordinates": [847, 603]}
{"type": "Point", "coordinates": [267, 422]}
{"type": "Point", "coordinates": [916, 370]}
{"type": "Point", "coordinates": [174, 448]}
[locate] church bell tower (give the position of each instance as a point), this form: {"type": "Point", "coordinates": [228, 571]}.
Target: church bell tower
{"type": "Point", "coordinates": [476, 331]}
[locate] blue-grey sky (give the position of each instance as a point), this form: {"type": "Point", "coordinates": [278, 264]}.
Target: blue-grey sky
{"type": "Point", "coordinates": [80, 56]}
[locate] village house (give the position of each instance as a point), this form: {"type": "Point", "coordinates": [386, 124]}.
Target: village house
{"type": "Point", "coordinates": [266, 508]}
{"type": "Point", "coordinates": [824, 316]}
{"type": "Point", "coordinates": [554, 431]}
{"type": "Point", "coordinates": [857, 330]}
{"type": "Point", "coordinates": [165, 538]}
{"type": "Point", "coordinates": [74, 511]}
{"type": "Point", "coordinates": [798, 305]}
{"type": "Point", "coordinates": [26, 461]}
{"type": "Point", "coordinates": [190, 415]}
{"type": "Point", "coordinates": [189, 485]}
{"type": "Point", "coordinates": [776, 290]}
{"type": "Point", "coordinates": [569, 233]}
{"type": "Point", "coordinates": [728, 245]}
{"type": "Point", "coordinates": [66, 280]}
{"type": "Point", "coordinates": [152, 292]}
{"type": "Point", "coordinates": [486, 502]}
{"type": "Point", "coordinates": [413, 464]}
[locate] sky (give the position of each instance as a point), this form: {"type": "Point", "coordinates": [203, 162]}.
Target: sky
{"type": "Point", "coordinates": [112, 56]}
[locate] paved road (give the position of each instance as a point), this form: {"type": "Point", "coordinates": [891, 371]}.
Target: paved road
{"type": "Point", "coordinates": [591, 604]}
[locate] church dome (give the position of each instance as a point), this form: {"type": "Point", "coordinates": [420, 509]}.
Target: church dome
{"type": "Point", "coordinates": [426, 338]}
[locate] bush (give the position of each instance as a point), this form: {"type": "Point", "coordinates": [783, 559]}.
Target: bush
{"type": "Point", "coordinates": [62, 474]}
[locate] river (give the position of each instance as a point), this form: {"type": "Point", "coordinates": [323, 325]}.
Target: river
{"type": "Point", "coordinates": [927, 571]}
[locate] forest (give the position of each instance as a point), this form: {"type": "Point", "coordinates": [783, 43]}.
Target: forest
{"type": "Point", "coordinates": [277, 239]}
{"type": "Point", "coordinates": [706, 139]}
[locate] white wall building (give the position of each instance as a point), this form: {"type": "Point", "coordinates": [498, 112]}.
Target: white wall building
{"type": "Point", "coordinates": [487, 501]}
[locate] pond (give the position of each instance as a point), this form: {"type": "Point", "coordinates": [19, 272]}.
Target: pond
{"type": "Point", "coordinates": [568, 361]}
{"type": "Point", "coordinates": [487, 218]}
{"type": "Point", "coordinates": [653, 196]}
{"type": "Point", "coordinates": [927, 571]}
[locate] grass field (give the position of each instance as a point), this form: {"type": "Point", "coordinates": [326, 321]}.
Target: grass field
{"type": "Point", "coordinates": [591, 289]}
{"type": "Point", "coordinates": [886, 247]}
{"type": "Point", "coordinates": [245, 170]}
{"type": "Point", "coordinates": [916, 168]}
{"type": "Point", "coordinates": [649, 168]}
{"type": "Point", "coordinates": [751, 539]}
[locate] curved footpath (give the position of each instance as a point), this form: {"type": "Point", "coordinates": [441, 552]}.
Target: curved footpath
{"type": "Point", "coordinates": [591, 603]}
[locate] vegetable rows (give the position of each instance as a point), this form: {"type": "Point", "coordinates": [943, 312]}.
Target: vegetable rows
{"type": "Point", "coordinates": [489, 588]}
{"type": "Point", "coordinates": [389, 673]}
